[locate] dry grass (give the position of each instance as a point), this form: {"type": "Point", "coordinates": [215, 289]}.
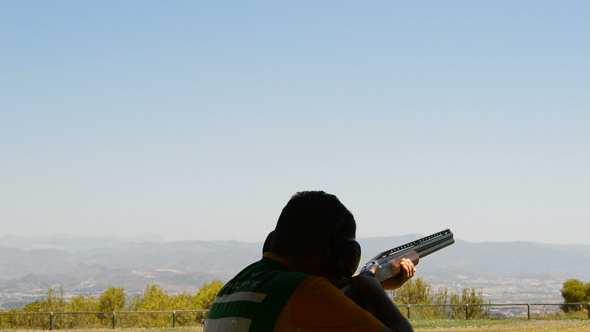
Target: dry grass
{"type": "Point", "coordinates": [516, 326]}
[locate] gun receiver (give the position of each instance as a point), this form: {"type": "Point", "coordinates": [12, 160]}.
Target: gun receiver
{"type": "Point", "coordinates": [386, 264]}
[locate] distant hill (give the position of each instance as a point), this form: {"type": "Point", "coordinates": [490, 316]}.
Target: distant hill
{"type": "Point", "coordinates": [72, 243]}
{"type": "Point", "coordinates": [86, 265]}
{"type": "Point", "coordinates": [182, 266]}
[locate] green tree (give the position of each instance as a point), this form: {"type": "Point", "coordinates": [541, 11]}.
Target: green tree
{"type": "Point", "coordinates": [575, 291]}
{"type": "Point", "coordinates": [154, 298]}
{"type": "Point", "coordinates": [113, 299]}
{"type": "Point", "coordinates": [414, 291]}
{"type": "Point", "coordinates": [418, 291]}
{"type": "Point", "coordinates": [53, 302]}
{"type": "Point", "coordinates": [81, 303]}
{"type": "Point", "coordinates": [473, 298]}
{"type": "Point", "coordinates": [206, 294]}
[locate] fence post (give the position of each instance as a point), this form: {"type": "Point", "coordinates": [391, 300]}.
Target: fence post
{"type": "Point", "coordinates": [114, 320]}
{"type": "Point", "coordinates": [174, 318]}
{"type": "Point", "coordinates": [588, 311]}
{"type": "Point", "coordinates": [409, 311]}
{"type": "Point", "coordinates": [528, 311]}
{"type": "Point", "coordinates": [51, 321]}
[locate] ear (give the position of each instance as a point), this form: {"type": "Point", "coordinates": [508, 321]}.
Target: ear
{"type": "Point", "coordinates": [267, 243]}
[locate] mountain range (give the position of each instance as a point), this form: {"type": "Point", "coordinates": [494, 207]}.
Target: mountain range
{"type": "Point", "coordinates": [89, 265]}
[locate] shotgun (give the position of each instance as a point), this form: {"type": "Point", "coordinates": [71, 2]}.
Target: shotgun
{"type": "Point", "coordinates": [386, 264]}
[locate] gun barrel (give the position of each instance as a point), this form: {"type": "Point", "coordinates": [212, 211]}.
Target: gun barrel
{"type": "Point", "coordinates": [435, 247]}
{"type": "Point", "coordinates": [423, 247]}
{"type": "Point", "coordinates": [418, 246]}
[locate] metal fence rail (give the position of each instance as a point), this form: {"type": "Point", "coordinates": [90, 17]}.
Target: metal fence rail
{"type": "Point", "coordinates": [111, 319]}
{"type": "Point", "coordinates": [468, 308]}
{"type": "Point", "coordinates": [114, 319]}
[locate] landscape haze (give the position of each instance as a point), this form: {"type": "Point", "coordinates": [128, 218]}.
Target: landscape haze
{"type": "Point", "coordinates": [510, 272]}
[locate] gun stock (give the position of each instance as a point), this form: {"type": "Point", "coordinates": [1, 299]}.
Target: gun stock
{"type": "Point", "coordinates": [386, 264]}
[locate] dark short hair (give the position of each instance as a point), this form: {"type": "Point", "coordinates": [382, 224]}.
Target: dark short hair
{"type": "Point", "coordinates": [309, 223]}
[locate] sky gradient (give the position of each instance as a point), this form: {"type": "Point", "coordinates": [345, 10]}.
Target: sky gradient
{"type": "Point", "coordinates": [198, 120]}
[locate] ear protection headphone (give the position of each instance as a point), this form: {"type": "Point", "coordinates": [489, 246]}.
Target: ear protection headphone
{"type": "Point", "coordinates": [341, 258]}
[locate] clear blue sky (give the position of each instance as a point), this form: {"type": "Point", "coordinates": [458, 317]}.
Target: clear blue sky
{"type": "Point", "coordinates": [198, 120]}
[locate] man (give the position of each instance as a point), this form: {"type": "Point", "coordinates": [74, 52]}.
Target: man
{"type": "Point", "coordinates": [296, 285]}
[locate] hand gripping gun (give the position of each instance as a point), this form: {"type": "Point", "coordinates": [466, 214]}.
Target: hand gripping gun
{"type": "Point", "coordinates": [386, 264]}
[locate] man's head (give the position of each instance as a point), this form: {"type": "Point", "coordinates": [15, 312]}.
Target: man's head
{"type": "Point", "coordinates": [314, 224]}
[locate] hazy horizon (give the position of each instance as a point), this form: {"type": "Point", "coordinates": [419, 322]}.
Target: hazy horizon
{"type": "Point", "coordinates": [199, 120]}
{"type": "Point", "coordinates": [141, 237]}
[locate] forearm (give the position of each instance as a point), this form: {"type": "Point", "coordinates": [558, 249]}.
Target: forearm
{"type": "Point", "coordinates": [393, 319]}
{"type": "Point", "coordinates": [376, 301]}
